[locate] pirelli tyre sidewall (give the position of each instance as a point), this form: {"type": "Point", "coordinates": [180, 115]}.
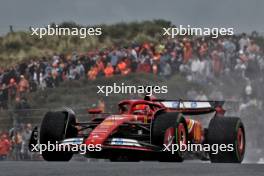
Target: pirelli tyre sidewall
{"type": "Point", "coordinates": [57, 126]}
{"type": "Point", "coordinates": [166, 126]}
{"type": "Point", "coordinates": [227, 130]}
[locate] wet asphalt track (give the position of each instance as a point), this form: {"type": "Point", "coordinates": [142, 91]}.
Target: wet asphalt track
{"type": "Point", "coordinates": [73, 168]}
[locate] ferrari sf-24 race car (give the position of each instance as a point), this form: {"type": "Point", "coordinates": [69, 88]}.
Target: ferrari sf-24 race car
{"type": "Point", "coordinates": [143, 129]}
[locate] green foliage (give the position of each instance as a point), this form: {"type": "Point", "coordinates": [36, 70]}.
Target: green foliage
{"type": "Point", "coordinates": [18, 46]}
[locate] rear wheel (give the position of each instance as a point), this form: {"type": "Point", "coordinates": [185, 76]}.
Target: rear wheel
{"type": "Point", "coordinates": [55, 127]}
{"type": "Point", "coordinates": [230, 132]}
{"type": "Point", "coordinates": [168, 129]}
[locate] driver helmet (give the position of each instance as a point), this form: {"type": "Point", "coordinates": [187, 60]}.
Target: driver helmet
{"type": "Point", "coordinates": [140, 109]}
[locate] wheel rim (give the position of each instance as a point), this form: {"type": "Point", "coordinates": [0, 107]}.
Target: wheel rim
{"type": "Point", "coordinates": [181, 134]}
{"type": "Point", "coordinates": [169, 136]}
{"type": "Point", "coordinates": [240, 141]}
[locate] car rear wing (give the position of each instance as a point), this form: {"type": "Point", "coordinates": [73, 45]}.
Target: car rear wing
{"type": "Point", "coordinates": [192, 106]}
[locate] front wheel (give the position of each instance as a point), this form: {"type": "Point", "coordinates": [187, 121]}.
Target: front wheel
{"type": "Point", "coordinates": [55, 127]}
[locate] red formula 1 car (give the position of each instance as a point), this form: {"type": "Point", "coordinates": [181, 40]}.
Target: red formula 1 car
{"type": "Point", "coordinates": [147, 129]}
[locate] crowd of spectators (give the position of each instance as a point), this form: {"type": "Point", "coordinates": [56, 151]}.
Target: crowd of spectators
{"type": "Point", "coordinates": [14, 143]}
{"type": "Point", "coordinates": [201, 60]}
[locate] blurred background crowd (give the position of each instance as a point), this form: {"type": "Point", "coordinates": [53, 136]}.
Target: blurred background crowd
{"type": "Point", "coordinates": [205, 61]}
{"type": "Point", "coordinates": [199, 60]}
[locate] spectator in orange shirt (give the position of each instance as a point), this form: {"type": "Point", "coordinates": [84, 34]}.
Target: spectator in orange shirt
{"type": "Point", "coordinates": [187, 51]}
{"type": "Point", "coordinates": [122, 67]}
{"type": "Point", "coordinates": [100, 65]}
{"type": "Point", "coordinates": [109, 70]}
{"type": "Point", "coordinates": [5, 146]}
{"type": "Point", "coordinates": [92, 73]}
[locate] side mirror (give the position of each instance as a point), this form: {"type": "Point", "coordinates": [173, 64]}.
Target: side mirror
{"type": "Point", "coordinates": [94, 111]}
